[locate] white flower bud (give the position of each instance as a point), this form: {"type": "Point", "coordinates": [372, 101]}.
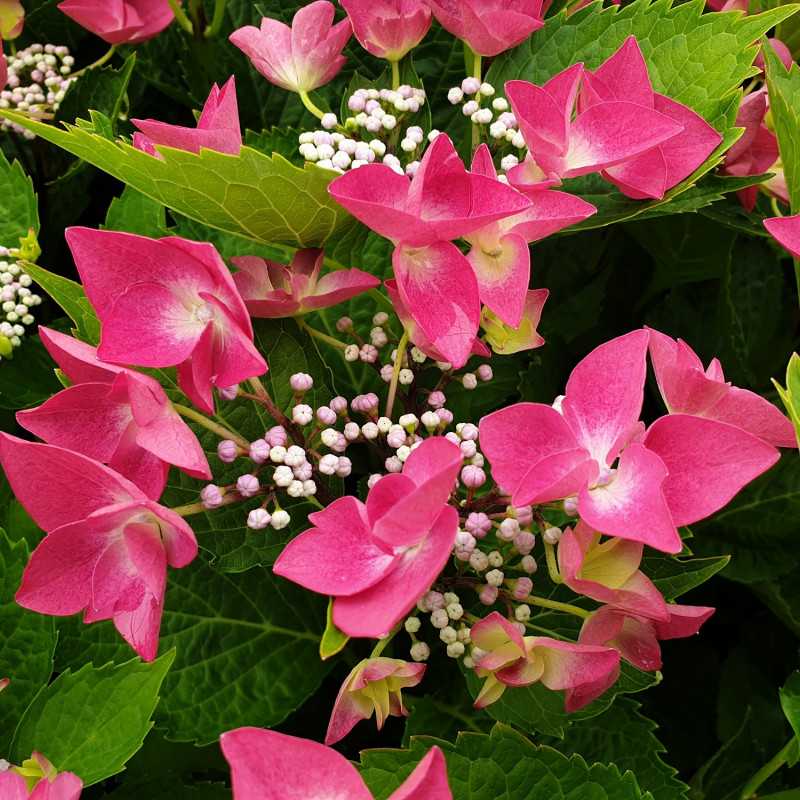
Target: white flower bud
{"type": "Point", "coordinates": [455, 95]}
{"type": "Point", "coordinates": [552, 535]}
{"type": "Point", "coordinates": [479, 561]}
{"type": "Point", "coordinates": [439, 618]}
{"type": "Point", "coordinates": [448, 635]}
{"type": "Point", "coordinates": [495, 577]}
{"type": "Point", "coordinates": [280, 519]}
{"type": "Point", "coordinates": [455, 650]}
{"type": "Point", "coordinates": [258, 519]}
{"type": "Point", "coordinates": [522, 613]}
{"type": "Point", "coordinates": [413, 624]}
{"type": "Point", "coordinates": [420, 651]}
{"type": "Point", "coordinates": [455, 610]}
{"type": "Point", "coordinates": [495, 559]}
{"type": "Point", "coordinates": [283, 476]}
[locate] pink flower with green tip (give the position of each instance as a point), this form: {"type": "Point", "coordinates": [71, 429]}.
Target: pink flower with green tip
{"type": "Point", "coordinates": [623, 77]}
{"type": "Point", "coordinates": [373, 686]}
{"type": "Point", "coordinates": [272, 290]}
{"type": "Point", "coordinates": [299, 58]}
{"type": "Point", "coordinates": [688, 388]}
{"type": "Point", "coordinates": [489, 26]}
{"type": "Point", "coordinates": [600, 136]}
{"type": "Point", "coordinates": [165, 303]}
{"type": "Point", "coordinates": [509, 660]}
{"type": "Point", "coordinates": [120, 21]}
{"type": "Point", "coordinates": [388, 28]}
{"type": "Point", "coordinates": [421, 216]}
{"type": "Point", "coordinates": [266, 765]}
{"type": "Point", "coordinates": [12, 20]}
{"type": "Point", "coordinates": [506, 340]}
{"type": "Point", "coordinates": [376, 559]}
{"type": "Point", "coordinates": [114, 415]}
{"type": "Point", "coordinates": [217, 128]}
{"type": "Point", "coordinates": [107, 545]}
{"type": "Point", "coordinates": [37, 779]}
{"type": "Point", "coordinates": [636, 636]}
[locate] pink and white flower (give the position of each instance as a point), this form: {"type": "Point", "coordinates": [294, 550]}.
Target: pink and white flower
{"type": "Point", "coordinates": [120, 21]}
{"type": "Point", "coordinates": [388, 28]}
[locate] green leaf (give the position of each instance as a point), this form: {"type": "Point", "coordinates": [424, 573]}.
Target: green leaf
{"type": "Point", "coordinates": [134, 212]}
{"type": "Point", "coordinates": [790, 395]}
{"type": "Point", "coordinates": [624, 737]}
{"type": "Point", "coordinates": [18, 207]}
{"type": "Point", "coordinates": [503, 765]}
{"type": "Point", "coordinates": [27, 644]}
{"type": "Point", "coordinates": [247, 650]}
{"type": "Point", "coordinates": [333, 640]}
{"type": "Point", "coordinates": [92, 721]}
{"type": "Point", "coordinates": [676, 576]}
{"type": "Point", "coordinates": [72, 299]}
{"type": "Point", "coordinates": [790, 702]}
{"type": "Point", "coordinates": [264, 198]}
{"type": "Point", "coordinates": [27, 378]}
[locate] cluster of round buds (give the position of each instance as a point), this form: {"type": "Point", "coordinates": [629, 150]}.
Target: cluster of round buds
{"type": "Point", "coordinates": [16, 304]}
{"type": "Point", "coordinates": [446, 616]}
{"type": "Point", "coordinates": [38, 78]}
{"type": "Point", "coordinates": [338, 151]}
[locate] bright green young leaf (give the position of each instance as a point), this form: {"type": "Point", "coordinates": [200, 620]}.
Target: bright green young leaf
{"type": "Point", "coordinates": [27, 643]}
{"type": "Point", "coordinates": [503, 765]}
{"type": "Point", "coordinates": [790, 394]}
{"type": "Point", "coordinates": [18, 208]}
{"type": "Point", "coordinates": [92, 721]}
{"type": "Point", "coordinates": [333, 640]}
{"type": "Point", "coordinates": [261, 197]}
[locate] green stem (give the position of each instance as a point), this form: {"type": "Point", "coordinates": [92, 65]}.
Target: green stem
{"type": "Point", "coordinates": [216, 21]}
{"type": "Point", "coordinates": [395, 74]}
{"type": "Point", "coordinates": [209, 424]}
{"type": "Point", "coordinates": [477, 71]}
{"type": "Point", "coordinates": [552, 563]}
{"type": "Point", "coordinates": [309, 104]}
{"type": "Point", "coordinates": [180, 16]}
{"type": "Point", "coordinates": [382, 643]}
{"type": "Point", "coordinates": [398, 363]}
{"type": "Point", "coordinates": [323, 337]}
{"type": "Point", "coordinates": [769, 769]}
{"type": "Point", "coordinates": [99, 63]}
{"type": "Point", "coordinates": [554, 605]}
{"type": "Point", "coordinates": [198, 508]}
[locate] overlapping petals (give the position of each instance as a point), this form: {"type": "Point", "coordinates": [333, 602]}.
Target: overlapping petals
{"type": "Point", "coordinates": [388, 28]}
{"type": "Point", "coordinates": [120, 21]}
{"type": "Point", "coordinates": [52, 785]}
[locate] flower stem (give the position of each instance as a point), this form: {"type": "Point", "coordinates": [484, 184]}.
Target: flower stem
{"type": "Point", "coordinates": [395, 74]}
{"type": "Point", "coordinates": [398, 363]}
{"type": "Point", "coordinates": [477, 71]}
{"type": "Point", "coordinates": [209, 424]}
{"type": "Point", "coordinates": [769, 769]}
{"type": "Point", "coordinates": [382, 643]}
{"type": "Point", "coordinates": [264, 398]}
{"type": "Point", "coordinates": [99, 63]}
{"type": "Point", "coordinates": [216, 21]}
{"type": "Point", "coordinates": [198, 508]}
{"type": "Point", "coordinates": [552, 563]}
{"type": "Point", "coordinates": [309, 104]}
{"type": "Point", "coordinates": [323, 337]}
{"type": "Point", "coordinates": [554, 605]}
{"type": "Point", "coordinates": [180, 16]}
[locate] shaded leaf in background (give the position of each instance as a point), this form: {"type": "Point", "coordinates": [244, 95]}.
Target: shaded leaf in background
{"type": "Point", "coordinates": [27, 379]}
{"type": "Point", "coordinates": [134, 212]}
{"type": "Point", "coordinates": [18, 209]}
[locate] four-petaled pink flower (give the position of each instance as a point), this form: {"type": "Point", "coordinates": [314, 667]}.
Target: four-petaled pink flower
{"type": "Point", "coordinates": [266, 765]}
{"type": "Point", "coordinates": [623, 77]}
{"type": "Point", "coordinates": [274, 290]}
{"type": "Point", "coordinates": [636, 636]}
{"type": "Point", "coordinates": [52, 785]}
{"type": "Point", "coordinates": [299, 58]}
{"type": "Point", "coordinates": [377, 559]}
{"type": "Point", "coordinates": [489, 26]}
{"type": "Point", "coordinates": [167, 302]}
{"type": "Point", "coordinates": [687, 388]}
{"type": "Point", "coordinates": [107, 545]}
{"type": "Point", "coordinates": [120, 21]}
{"type": "Point", "coordinates": [114, 415]}
{"type": "Point", "coordinates": [683, 469]}
{"type": "Point", "coordinates": [600, 136]}
{"type": "Point", "coordinates": [786, 231]}
{"type": "Point", "coordinates": [507, 659]}
{"type": "Point", "coordinates": [217, 128]}
{"type": "Point", "coordinates": [373, 686]}
{"type": "Point", "coordinates": [442, 202]}
{"type": "Point", "coordinates": [388, 28]}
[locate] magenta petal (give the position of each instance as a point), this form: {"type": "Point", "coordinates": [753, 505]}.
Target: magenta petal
{"type": "Point", "coordinates": [196, 373]}
{"type": "Point", "coordinates": [550, 211]}
{"type": "Point", "coordinates": [65, 786]}
{"type": "Point", "coordinates": [13, 786]}
{"type": "Point", "coordinates": [77, 360]}
{"type": "Point", "coordinates": [428, 781]}
{"type": "Point", "coordinates": [541, 120]}
{"type": "Point", "coordinates": [386, 494]}
{"type": "Point", "coordinates": [754, 414]}
{"type": "Point", "coordinates": [140, 466]}
{"type": "Point", "coordinates": [338, 286]}
{"type": "Point", "coordinates": [339, 558]}
{"type": "Point", "coordinates": [786, 231]}
{"type": "Point", "coordinates": [708, 463]}
{"type": "Point", "coordinates": [683, 621]}
{"type": "Point", "coordinates": [266, 765]}
{"type": "Point", "coordinates": [375, 611]}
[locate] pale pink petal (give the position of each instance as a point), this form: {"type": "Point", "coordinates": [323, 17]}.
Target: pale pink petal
{"type": "Point", "coordinates": [65, 786]}
{"type": "Point", "coordinates": [634, 637]}
{"type": "Point", "coordinates": [13, 786]}
{"type": "Point", "coordinates": [338, 286]}
{"type": "Point", "coordinates": [348, 711]}
{"type": "Point", "coordinates": [428, 781]}
{"type": "Point", "coordinates": [494, 631]}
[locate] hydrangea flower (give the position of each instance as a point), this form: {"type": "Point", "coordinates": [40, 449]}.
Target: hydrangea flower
{"type": "Point", "coordinates": [120, 21]}
{"type": "Point", "coordinates": [388, 28]}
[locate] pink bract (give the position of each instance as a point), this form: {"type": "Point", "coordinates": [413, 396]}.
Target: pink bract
{"type": "Point", "coordinates": [299, 58]}
{"type": "Point", "coordinates": [196, 319]}
{"type": "Point", "coordinates": [52, 786]}
{"type": "Point", "coordinates": [388, 28]}
{"type": "Point", "coordinates": [120, 21]}
{"type": "Point", "coordinates": [107, 545]}
{"type": "Point", "coordinates": [786, 231]}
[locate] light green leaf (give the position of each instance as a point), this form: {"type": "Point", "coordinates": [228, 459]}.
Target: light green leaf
{"type": "Point", "coordinates": [27, 644]}
{"type": "Point", "coordinates": [790, 394]}
{"type": "Point", "coordinates": [92, 721]}
{"type": "Point", "coordinates": [333, 640]}
{"type": "Point", "coordinates": [18, 207]}
{"type": "Point", "coordinates": [790, 702]}
{"type": "Point", "coordinates": [261, 197]}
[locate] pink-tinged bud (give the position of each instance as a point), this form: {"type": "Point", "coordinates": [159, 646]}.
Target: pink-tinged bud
{"type": "Point", "coordinates": [344, 324]}
{"type": "Point", "coordinates": [433, 601]}
{"type": "Point", "coordinates": [326, 415]}
{"type": "Point", "coordinates": [524, 515]}
{"type": "Point", "coordinates": [472, 477]}
{"type": "Point", "coordinates": [468, 448]}
{"type": "Point", "coordinates": [121, 22]}
{"type": "Point", "coordinates": [396, 438]}
{"type": "Point", "coordinates": [465, 541]}
{"type": "Point", "coordinates": [229, 392]}
{"type": "Point", "coordinates": [454, 438]}
{"type": "Point", "coordinates": [508, 529]}
{"type": "Point", "coordinates": [339, 405]}
{"type": "Point", "coordinates": [393, 464]}
{"type": "Point", "coordinates": [436, 399]}
{"type": "Point", "coordinates": [301, 382]}
{"type": "Point", "coordinates": [276, 436]}
{"type": "Point", "coordinates": [389, 28]}
{"type": "Point", "coordinates": [211, 496]}
{"type": "Point", "coordinates": [522, 588]}
{"type": "Point", "coordinates": [445, 415]}
{"type": "Point", "coordinates": [228, 451]}
{"type": "Point", "coordinates": [488, 595]}
{"type": "Point", "coordinates": [478, 524]}
{"type": "Point", "coordinates": [529, 565]}
{"type": "Point", "coordinates": [328, 464]}
{"type": "Point", "coordinates": [247, 485]}
{"type": "Point", "coordinates": [303, 472]}
{"type": "Point", "coordinates": [12, 19]}
{"type": "Point", "coordinates": [352, 431]}
{"type": "Point", "coordinates": [571, 506]}
{"type": "Point", "coordinates": [368, 353]}
{"type": "Point", "coordinates": [373, 479]}
{"type": "Point", "coordinates": [484, 371]}
{"type": "Point", "coordinates": [4, 683]}
{"type": "Point", "coordinates": [300, 58]}
{"type": "Point", "coordinates": [259, 451]}
{"type": "Point", "coordinates": [258, 519]}
{"type": "Point", "coordinates": [302, 414]}
{"type": "Point", "coordinates": [387, 370]}
{"type": "Point", "coordinates": [524, 542]}
{"type": "Point", "coordinates": [469, 432]}
{"type": "Point", "coordinates": [344, 467]}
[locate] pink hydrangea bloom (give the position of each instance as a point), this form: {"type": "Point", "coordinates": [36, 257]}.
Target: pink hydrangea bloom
{"type": "Point", "coordinates": [421, 216]}
{"type": "Point", "coordinates": [489, 26]}
{"type": "Point", "coordinates": [636, 636]}
{"type": "Point", "coordinates": [388, 28]}
{"type": "Point", "coordinates": [299, 58]}
{"type": "Point", "coordinates": [623, 77]}
{"type": "Point", "coordinates": [687, 388]}
{"type": "Point", "coordinates": [377, 559]}
{"type": "Point", "coordinates": [114, 415]}
{"type": "Point", "coordinates": [266, 765]}
{"type": "Point", "coordinates": [600, 136]}
{"type": "Point", "coordinates": [120, 21]}
{"type": "Point", "coordinates": [274, 290]}
{"type": "Point", "coordinates": [107, 545]}
{"type": "Point", "coordinates": [373, 686]}
{"type": "Point", "coordinates": [511, 660]}
{"type": "Point", "coordinates": [167, 302]}
{"type": "Point", "coordinates": [683, 469]}
{"type": "Point", "coordinates": [786, 231]}
{"type": "Point", "coordinates": [52, 786]}
{"type": "Point", "coordinates": [217, 129]}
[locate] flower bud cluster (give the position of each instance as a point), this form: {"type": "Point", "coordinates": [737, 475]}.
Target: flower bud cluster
{"type": "Point", "coordinates": [446, 615]}
{"type": "Point", "coordinates": [17, 302]}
